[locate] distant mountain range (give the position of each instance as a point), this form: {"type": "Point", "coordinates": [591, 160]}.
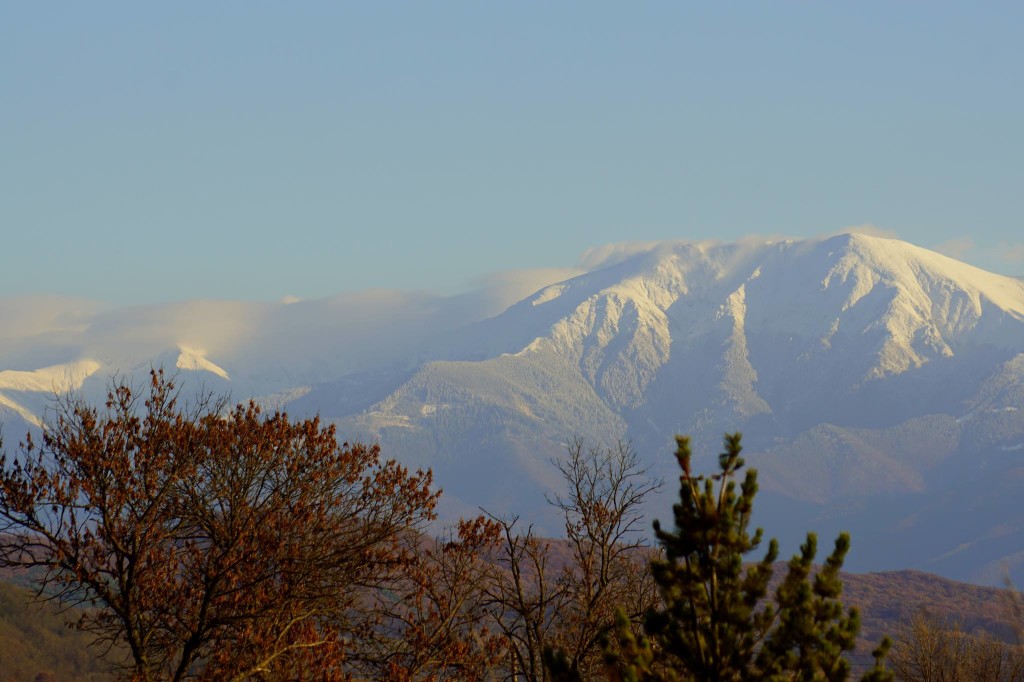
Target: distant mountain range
{"type": "Point", "coordinates": [880, 386]}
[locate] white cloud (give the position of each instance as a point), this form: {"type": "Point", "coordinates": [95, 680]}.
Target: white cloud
{"type": "Point", "coordinates": [866, 229]}
{"type": "Point", "coordinates": [608, 255]}
{"type": "Point", "coordinates": [303, 340]}
{"type": "Point", "coordinates": [139, 331]}
{"type": "Point", "coordinates": [1011, 252]}
{"type": "Point", "coordinates": [504, 288]}
{"type": "Point", "coordinates": [956, 248]}
{"type": "Point", "coordinates": [611, 254]}
{"type": "Point", "coordinates": [35, 331]}
{"type": "Point", "coordinates": [23, 316]}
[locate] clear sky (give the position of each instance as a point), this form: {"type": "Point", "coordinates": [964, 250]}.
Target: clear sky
{"type": "Point", "coordinates": [165, 151]}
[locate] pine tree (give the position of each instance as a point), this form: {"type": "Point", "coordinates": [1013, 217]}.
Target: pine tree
{"type": "Point", "coordinates": [715, 623]}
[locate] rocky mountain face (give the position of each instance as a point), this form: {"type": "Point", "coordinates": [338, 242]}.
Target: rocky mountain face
{"type": "Point", "coordinates": [879, 387]}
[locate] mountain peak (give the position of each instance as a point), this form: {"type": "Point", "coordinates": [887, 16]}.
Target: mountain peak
{"type": "Point", "coordinates": [195, 360]}
{"type": "Point", "coordinates": [861, 367]}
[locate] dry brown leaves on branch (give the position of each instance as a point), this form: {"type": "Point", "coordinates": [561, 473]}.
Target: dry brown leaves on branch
{"type": "Point", "coordinates": [210, 543]}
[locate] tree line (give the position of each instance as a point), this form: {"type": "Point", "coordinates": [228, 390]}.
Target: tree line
{"type": "Point", "coordinates": [205, 541]}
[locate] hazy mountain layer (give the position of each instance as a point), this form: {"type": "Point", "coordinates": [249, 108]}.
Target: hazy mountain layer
{"type": "Point", "coordinates": [880, 386]}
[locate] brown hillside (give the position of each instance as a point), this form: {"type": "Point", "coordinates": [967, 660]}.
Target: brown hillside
{"type": "Point", "coordinates": [886, 600]}
{"type": "Point", "coordinates": [37, 646]}
{"type": "Point", "coordinates": [34, 639]}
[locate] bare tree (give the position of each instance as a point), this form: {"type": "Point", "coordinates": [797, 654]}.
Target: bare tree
{"type": "Point", "coordinates": [929, 649]}
{"type": "Point", "coordinates": [557, 600]}
{"type": "Point", "coordinates": [603, 512]}
{"type": "Point", "coordinates": [525, 595]}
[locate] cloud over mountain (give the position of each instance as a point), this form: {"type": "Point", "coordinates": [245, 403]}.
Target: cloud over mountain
{"type": "Point", "coordinates": [871, 376]}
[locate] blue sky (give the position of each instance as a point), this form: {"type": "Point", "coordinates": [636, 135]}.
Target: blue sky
{"type": "Point", "coordinates": [252, 150]}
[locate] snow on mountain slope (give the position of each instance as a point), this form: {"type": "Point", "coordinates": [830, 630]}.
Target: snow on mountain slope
{"type": "Point", "coordinates": [19, 411]}
{"type": "Point", "coordinates": [834, 355]}
{"type": "Point", "coordinates": [867, 374]}
{"type": "Point", "coordinates": [740, 320]}
{"type": "Point", "coordinates": [195, 360]}
{"type": "Point", "coordinates": [53, 379]}
{"type": "Point", "coordinates": [49, 381]}
{"type": "Point", "coordinates": [715, 330]}
{"type": "Point", "coordinates": [275, 351]}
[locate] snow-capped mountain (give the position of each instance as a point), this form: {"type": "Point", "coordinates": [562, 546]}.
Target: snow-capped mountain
{"type": "Point", "coordinates": [880, 386]}
{"type": "Point", "coordinates": [867, 374]}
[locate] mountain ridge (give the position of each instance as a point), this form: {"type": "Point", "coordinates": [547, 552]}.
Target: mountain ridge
{"type": "Point", "coordinates": [868, 374]}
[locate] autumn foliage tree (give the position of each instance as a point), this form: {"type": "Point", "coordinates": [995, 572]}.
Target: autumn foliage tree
{"type": "Point", "coordinates": [206, 542]}
{"type": "Point", "coordinates": [435, 622]}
